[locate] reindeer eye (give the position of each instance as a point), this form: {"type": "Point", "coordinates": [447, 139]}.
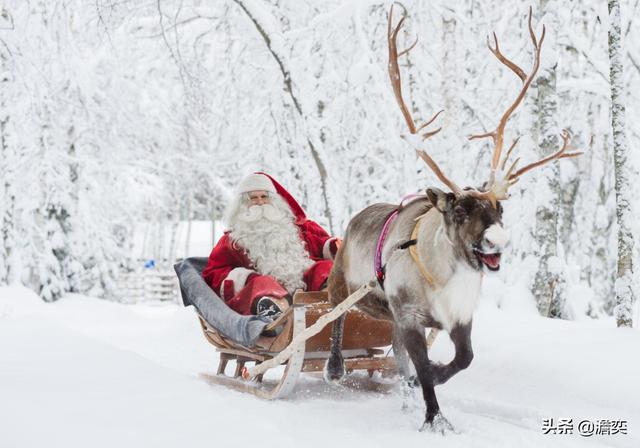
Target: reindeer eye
{"type": "Point", "coordinates": [460, 214]}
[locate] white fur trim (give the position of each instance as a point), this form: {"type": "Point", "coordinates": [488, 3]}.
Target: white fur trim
{"type": "Point", "coordinates": [326, 248]}
{"type": "Point", "coordinates": [239, 277]}
{"type": "Point", "coordinates": [255, 182]}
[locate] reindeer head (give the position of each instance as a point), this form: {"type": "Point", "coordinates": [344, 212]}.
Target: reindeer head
{"type": "Point", "coordinates": [473, 226]}
{"type": "Point", "coordinates": [473, 217]}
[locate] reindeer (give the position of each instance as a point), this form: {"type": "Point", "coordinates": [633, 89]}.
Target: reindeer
{"type": "Point", "coordinates": [429, 255]}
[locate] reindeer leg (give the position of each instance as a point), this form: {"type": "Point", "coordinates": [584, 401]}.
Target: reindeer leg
{"type": "Point", "coordinates": [408, 381]}
{"type": "Point", "coordinates": [416, 345]}
{"type": "Point", "coordinates": [334, 369]}
{"type": "Point", "coordinates": [338, 290]}
{"type": "Point", "coordinates": [461, 337]}
{"type": "Point", "coordinates": [400, 354]}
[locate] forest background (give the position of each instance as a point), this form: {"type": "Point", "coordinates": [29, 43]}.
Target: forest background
{"type": "Point", "coordinates": [121, 115]}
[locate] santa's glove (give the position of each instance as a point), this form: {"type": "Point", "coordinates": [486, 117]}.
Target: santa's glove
{"type": "Point", "coordinates": [334, 246]}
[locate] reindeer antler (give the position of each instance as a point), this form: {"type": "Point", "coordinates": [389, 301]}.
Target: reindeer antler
{"type": "Point", "coordinates": [497, 189]}
{"type": "Point", "coordinates": [560, 154]}
{"type": "Point", "coordinates": [396, 83]}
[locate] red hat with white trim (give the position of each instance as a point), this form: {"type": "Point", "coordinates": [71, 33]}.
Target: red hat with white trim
{"type": "Point", "coordinates": [255, 182]}
{"type": "Point", "coordinates": [262, 181]}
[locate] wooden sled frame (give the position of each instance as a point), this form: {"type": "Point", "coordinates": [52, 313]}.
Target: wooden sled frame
{"type": "Point", "coordinates": [362, 342]}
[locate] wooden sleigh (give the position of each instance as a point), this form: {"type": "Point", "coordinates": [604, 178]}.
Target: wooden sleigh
{"type": "Point", "coordinates": [299, 349]}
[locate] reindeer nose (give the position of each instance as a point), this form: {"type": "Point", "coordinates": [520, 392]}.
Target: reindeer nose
{"type": "Point", "coordinates": [495, 235]}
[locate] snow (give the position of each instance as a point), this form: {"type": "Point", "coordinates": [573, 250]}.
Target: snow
{"type": "Point", "coordinates": [201, 238]}
{"type": "Point", "coordinates": [121, 121]}
{"type": "Point", "coordinates": [174, 104]}
{"type": "Point", "coordinates": [87, 372]}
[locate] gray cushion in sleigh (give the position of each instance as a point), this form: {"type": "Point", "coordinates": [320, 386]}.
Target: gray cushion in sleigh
{"type": "Point", "coordinates": [245, 330]}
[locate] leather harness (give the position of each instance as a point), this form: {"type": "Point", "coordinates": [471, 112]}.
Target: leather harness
{"type": "Point", "coordinates": [409, 244]}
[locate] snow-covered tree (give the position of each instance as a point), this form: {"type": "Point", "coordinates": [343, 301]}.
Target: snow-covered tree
{"type": "Point", "coordinates": [625, 288]}
{"type": "Point", "coordinates": [121, 116]}
{"type": "Point", "coordinates": [549, 283]}
{"type": "Point", "coordinates": [8, 152]}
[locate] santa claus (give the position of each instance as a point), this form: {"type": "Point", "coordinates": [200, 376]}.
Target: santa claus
{"type": "Point", "coordinates": [269, 251]}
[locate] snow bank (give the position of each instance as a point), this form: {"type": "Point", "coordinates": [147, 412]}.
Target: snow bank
{"type": "Point", "coordinates": [17, 300]}
{"type": "Point", "coordinates": [85, 372]}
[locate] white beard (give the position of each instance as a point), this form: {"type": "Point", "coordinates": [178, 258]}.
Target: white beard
{"type": "Point", "coordinates": [271, 240]}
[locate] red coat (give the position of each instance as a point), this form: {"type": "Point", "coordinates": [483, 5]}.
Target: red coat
{"type": "Point", "coordinates": [231, 274]}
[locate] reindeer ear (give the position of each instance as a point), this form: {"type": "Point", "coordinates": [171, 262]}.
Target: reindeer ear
{"type": "Point", "coordinates": [440, 200]}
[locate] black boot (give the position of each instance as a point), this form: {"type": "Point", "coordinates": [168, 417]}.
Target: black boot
{"type": "Point", "coordinates": [268, 308]}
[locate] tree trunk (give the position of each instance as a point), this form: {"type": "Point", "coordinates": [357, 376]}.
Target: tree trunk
{"type": "Point", "coordinates": [450, 91]}
{"type": "Point", "coordinates": [288, 87]}
{"type": "Point", "coordinates": [7, 202]}
{"type": "Point", "coordinates": [625, 294]}
{"type": "Point", "coordinates": [548, 287]}
{"type": "Point", "coordinates": [187, 239]}
{"type": "Point", "coordinates": [599, 272]}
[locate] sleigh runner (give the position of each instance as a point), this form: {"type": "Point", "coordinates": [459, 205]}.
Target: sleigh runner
{"type": "Point", "coordinates": [302, 345]}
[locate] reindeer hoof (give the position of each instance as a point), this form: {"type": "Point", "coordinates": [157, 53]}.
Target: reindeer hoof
{"type": "Point", "coordinates": [334, 369]}
{"type": "Point", "coordinates": [437, 424]}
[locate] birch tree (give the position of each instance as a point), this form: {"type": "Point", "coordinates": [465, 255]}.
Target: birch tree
{"type": "Point", "coordinates": [7, 159]}
{"type": "Point", "coordinates": [625, 294]}
{"type": "Point", "coordinates": [115, 115]}
{"type": "Point", "coordinates": [264, 26]}
{"type": "Point", "coordinates": [548, 286]}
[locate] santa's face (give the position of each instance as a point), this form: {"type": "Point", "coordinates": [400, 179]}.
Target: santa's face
{"type": "Point", "coordinates": [265, 229]}
{"type": "Point", "coordinates": [258, 197]}
{"type": "Point", "coordinates": [260, 207]}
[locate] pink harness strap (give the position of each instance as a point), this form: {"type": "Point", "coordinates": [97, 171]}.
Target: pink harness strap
{"type": "Point", "coordinates": [377, 261]}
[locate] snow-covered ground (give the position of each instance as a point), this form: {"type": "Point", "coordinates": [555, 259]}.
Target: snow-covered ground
{"type": "Point", "coordinates": [89, 373]}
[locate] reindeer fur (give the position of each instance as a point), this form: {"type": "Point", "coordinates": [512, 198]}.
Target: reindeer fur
{"type": "Point", "coordinates": [449, 231]}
